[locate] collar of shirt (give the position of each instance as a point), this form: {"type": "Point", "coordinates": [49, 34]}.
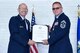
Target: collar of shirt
{"type": "Point", "coordinates": [22, 17]}
{"type": "Point", "coordinates": [58, 15]}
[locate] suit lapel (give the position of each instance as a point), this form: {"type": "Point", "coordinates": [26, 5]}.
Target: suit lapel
{"type": "Point", "coordinates": [22, 22]}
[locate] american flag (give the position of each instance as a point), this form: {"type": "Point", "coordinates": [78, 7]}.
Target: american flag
{"type": "Point", "coordinates": [33, 20]}
{"type": "Point", "coordinates": [78, 34]}
{"type": "Point", "coordinates": [78, 30]}
{"type": "Point", "coordinates": [33, 48]}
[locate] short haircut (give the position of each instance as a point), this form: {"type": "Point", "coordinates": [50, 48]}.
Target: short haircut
{"type": "Point", "coordinates": [57, 3]}
{"type": "Point", "coordinates": [22, 4]}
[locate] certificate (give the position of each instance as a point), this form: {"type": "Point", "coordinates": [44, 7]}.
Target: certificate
{"type": "Point", "coordinates": [39, 33]}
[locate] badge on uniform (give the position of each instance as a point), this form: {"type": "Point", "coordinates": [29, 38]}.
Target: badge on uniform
{"type": "Point", "coordinates": [63, 24]}
{"type": "Point", "coordinates": [56, 23]}
{"type": "Point", "coordinates": [49, 36]}
{"type": "Point", "coordinates": [21, 26]}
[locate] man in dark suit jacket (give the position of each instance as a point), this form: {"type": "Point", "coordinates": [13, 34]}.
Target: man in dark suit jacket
{"type": "Point", "coordinates": [19, 27]}
{"type": "Point", "coordinates": [58, 40]}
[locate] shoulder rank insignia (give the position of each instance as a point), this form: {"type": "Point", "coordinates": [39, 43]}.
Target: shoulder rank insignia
{"type": "Point", "coordinates": [63, 24]}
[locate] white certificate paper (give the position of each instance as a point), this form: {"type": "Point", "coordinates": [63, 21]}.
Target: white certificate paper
{"type": "Point", "coordinates": [39, 33]}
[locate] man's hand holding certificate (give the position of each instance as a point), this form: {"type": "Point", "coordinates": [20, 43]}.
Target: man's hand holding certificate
{"type": "Point", "coordinates": [39, 33]}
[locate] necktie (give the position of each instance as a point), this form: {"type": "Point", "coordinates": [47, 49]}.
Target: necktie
{"type": "Point", "coordinates": [26, 24]}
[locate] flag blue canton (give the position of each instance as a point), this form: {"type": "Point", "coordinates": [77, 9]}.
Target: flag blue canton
{"type": "Point", "coordinates": [33, 20]}
{"type": "Point", "coordinates": [78, 34]}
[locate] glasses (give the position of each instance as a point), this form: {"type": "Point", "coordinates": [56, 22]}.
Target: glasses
{"type": "Point", "coordinates": [56, 8]}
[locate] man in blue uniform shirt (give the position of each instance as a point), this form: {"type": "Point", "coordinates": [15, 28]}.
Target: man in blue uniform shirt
{"type": "Point", "coordinates": [19, 27]}
{"type": "Point", "coordinates": [59, 41]}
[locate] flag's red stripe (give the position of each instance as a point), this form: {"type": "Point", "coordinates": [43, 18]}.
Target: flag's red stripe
{"type": "Point", "coordinates": [31, 50]}
{"type": "Point", "coordinates": [34, 46]}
